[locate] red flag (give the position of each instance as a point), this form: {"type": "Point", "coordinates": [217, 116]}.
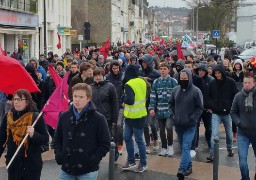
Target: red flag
{"type": "Point", "coordinates": [13, 76]}
{"type": "Point", "coordinates": [105, 49]}
{"type": "Point", "coordinates": [59, 41]}
{"type": "Point", "coordinates": [162, 43]}
{"type": "Point", "coordinates": [129, 42]}
{"type": "Point", "coordinates": [179, 52]}
{"type": "Point", "coordinates": [56, 78]}
{"type": "Point", "coordinates": [155, 47]}
{"type": "Point", "coordinates": [57, 103]}
{"type": "Point", "coordinates": [2, 51]}
{"type": "Point", "coordinates": [156, 38]}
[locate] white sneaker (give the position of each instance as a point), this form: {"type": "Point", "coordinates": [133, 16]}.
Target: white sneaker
{"type": "Point", "coordinates": [147, 150]}
{"type": "Point", "coordinates": [155, 146]}
{"type": "Point", "coordinates": [192, 153]}
{"type": "Point", "coordinates": [170, 151]}
{"type": "Point", "coordinates": [163, 152]}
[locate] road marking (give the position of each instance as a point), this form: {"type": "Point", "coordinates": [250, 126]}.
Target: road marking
{"type": "Point", "coordinates": [234, 147]}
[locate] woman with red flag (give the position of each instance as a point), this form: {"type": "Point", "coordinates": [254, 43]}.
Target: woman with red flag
{"type": "Point", "coordinates": [16, 124]}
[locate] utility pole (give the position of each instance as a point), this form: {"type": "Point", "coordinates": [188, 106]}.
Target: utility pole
{"type": "Point", "coordinates": [45, 44]}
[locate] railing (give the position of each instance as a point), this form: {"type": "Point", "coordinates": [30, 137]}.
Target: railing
{"type": "Point", "coordinates": [20, 5]}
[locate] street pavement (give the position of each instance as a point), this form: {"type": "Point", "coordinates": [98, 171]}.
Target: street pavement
{"type": "Point", "coordinates": [160, 168]}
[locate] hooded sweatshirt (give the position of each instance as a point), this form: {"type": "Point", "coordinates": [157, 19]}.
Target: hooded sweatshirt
{"type": "Point", "coordinates": [186, 104]}
{"type": "Point", "coordinates": [149, 72]}
{"type": "Point", "coordinates": [180, 63]}
{"type": "Point", "coordinates": [116, 80]}
{"type": "Point", "coordinates": [238, 76]}
{"type": "Point", "coordinates": [207, 79]}
{"type": "Point", "coordinates": [244, 120]}
{"type": "Point", "coordinates": [221, 92]}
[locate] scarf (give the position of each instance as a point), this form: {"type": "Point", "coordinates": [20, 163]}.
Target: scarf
{"type": "Point", "coordinates": [18, 128]}
{"type": "Point", "coordinates": [249, 99]}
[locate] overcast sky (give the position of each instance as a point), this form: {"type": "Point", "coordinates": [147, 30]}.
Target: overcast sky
{"type": "Point", "coordinates": [170, 3]}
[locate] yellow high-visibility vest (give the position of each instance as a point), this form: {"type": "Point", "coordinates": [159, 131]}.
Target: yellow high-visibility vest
{"type": "Point", "coordinates": [138, 109]}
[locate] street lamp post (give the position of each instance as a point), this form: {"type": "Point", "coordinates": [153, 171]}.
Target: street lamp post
{"type": "Point", "coordinates": [197, 26]}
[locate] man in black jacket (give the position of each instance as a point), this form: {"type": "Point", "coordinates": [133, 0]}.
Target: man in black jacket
{"type": "Point", "coordinates": [202, 71]}
{"type": "Point", "coordinates": [73, 71]}
{"type": "Point", "coordinates": [198, 82]}
{"type": "Point", "coordinates": [243, 113]}
{"type": "Point", "coordinates": [115, 77]}
{"type": "Point", "coordinates": [150, 74]}
{"type": "Point", "coordinates": [221, 93]}
{"type": "Point", "coordinates": [84, 76]}
{"type": "Point", "coordinates": [82, 138]}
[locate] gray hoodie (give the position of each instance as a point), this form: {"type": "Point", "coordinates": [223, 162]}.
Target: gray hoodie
{"type": "Point", "coordinates": [186, 104]}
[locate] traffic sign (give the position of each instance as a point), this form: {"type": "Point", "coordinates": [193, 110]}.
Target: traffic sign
{"type": "Point", "coordinates": [216, 34]}
{"type": "Point", "coordinates": [206, 36]}
{"type": "Point", "coordinates": [80, 37]}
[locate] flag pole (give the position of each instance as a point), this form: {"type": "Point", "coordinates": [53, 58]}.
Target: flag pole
{"type": "Point", "coordinates": [18, 149]}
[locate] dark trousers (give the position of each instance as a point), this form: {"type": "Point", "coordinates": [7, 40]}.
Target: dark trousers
{"type": "Point", "coordinates": [162, 126]}
{"type": "Point", "coordinates": [207, 119]}
{"type": "Point", "coordinates": [151, 122]}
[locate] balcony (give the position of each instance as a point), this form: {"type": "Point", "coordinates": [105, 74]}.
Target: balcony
{"type": "Point", "coordinates": [29, 6]}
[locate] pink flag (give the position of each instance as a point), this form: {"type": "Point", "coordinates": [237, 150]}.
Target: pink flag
{"type": "Point", "coordinates": [56, 78]}
{"type": "Point", "coordinates": [57, 103]}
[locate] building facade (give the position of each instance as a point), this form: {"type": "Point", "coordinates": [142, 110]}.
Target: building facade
{"type": "Point", "coordinates": [246, 23]}
{"type": "Point", "coordinates": [58, 20]}
{"type": "Point", "coordinates": [117, 20]}
{"type": "Point", "coordinates": [22, 26]}
{"type": "Point", "coordinates": [19, 22]}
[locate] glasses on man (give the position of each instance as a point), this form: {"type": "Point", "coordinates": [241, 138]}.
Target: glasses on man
{"type": "Point", "coordinates": [18, 99]}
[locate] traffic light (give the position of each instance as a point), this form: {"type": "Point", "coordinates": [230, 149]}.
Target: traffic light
{"type": "Point", "coordinates": [87, 34]}
{"type": "Point", "coordinates": [87, 26]}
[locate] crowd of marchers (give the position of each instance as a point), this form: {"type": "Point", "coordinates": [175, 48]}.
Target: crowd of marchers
{"type": "Point", "coordinates": [133, 95]}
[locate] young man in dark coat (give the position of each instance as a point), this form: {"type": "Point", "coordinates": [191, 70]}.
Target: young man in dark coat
{"type": "Point", "coordinates": [206, 116]}
{"type": "Point", "coordinates": [243, 113]}
{"type": "Point", "coordinates": [115, 77]}
{"type": "Point", "coordinates": [104, 97]}
{"type": "Point", "coordinates": [149, 74]}
{"type": "Point", "coordinates": [198, 82]}
{"type": "Point", "coordinates": [73, 71]}
{"type": "Point", "coordinates": [186, 103]}
{"type": "Point", "coordinates": [82, 138]}
{"type": "Point", "coordinates": [221, 93]}
{"type": "Point", "coordinates": [84, 76]}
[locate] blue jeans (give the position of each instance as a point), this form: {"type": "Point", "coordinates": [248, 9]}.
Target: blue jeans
{"type": "Point", "coordinates": [227, 122]}
{"type": "Point", "coordinates": [138, 134]}
{"type": "Point", "coordinates": [243, 142]}
{"type": "Point", "coordinates": [88, 176]}
{"type": "Point", "coordinates": [207, 119]}
{"type": "Point", "coordinates": [185, 138]}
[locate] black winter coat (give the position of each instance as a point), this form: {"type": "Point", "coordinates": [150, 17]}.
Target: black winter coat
{"type": "Point", "coordinates": [105, 99]}
{"type": "Point", "coordinates": [116, 80]}
{"type": "Point", "coordinates": [27, 168]}
{"type": "Point", "coordinates": [221, 93]}
{"type": "Point", "coordinates": [81, 144]}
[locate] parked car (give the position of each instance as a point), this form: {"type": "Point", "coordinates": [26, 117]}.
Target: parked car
{"type": "Point", "coordinates": [247, 54]}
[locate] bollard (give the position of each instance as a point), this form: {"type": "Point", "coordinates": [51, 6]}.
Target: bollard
{"type": "Point", "coordinates": [216, 159]}
{"type": "Point", "coordinates": [112, 161]}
